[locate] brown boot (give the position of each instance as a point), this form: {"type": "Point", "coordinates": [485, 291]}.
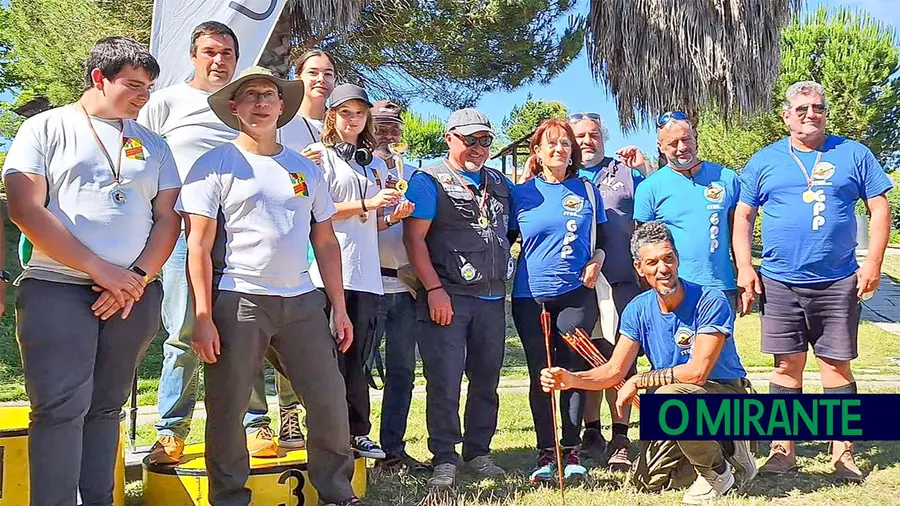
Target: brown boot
{"type": "Point", "coordinates": [780, 461]}
{"type": "Point", "coordinates": [845, 468]}
{"type": "Point", "coordinates": [167, 450]}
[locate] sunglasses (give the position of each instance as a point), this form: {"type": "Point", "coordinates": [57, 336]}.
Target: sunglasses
{"type": "Point", "coordinates": [471, 140]}
{"type": "Point", "coordinates": [666, 118]}
{"type": "Point", "coordinates": [578, 116]}
{"type": "Point", "coordinates": [803, 110]}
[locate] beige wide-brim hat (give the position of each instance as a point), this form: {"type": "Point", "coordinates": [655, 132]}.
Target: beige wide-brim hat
{"type": "Point", "coordinates": [291, 94]}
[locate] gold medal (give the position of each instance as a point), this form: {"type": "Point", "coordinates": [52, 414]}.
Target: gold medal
{"type": "Point", "coordinates": [118, 197]}
{"type": "Point", "coordinates": [401, 186]}
{"type": "Point", "coordinates": [364, 217]}
{"type": "Point", "coordinates": [809, 196]}
{"type": "Point", "coordinates": [483, 222]}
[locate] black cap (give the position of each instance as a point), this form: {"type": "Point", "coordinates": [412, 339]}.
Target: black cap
{"type": "Point", "coordinates": [345, 92]}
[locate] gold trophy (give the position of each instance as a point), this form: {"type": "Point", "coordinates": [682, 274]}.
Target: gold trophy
{"type": "Point", "coordinates": [398, 149]}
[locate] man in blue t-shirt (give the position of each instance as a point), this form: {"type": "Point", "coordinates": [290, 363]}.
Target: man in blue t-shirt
{"type": "Point", "coordinates": [696, 200]}
{"type": "Point", "coordinates": [456, 239]}
{"type": "Point", "coordinates": [685, 329]}
{"type": "Point", "coordinates": [807, 186]}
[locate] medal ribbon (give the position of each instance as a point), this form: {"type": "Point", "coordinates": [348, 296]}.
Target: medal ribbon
{"type": "Point", "coordinates": [117, 168]}
{"type": "Point", "coordinates": [481, 207]}
{"type": "Point", "coordinates": [809, 180]}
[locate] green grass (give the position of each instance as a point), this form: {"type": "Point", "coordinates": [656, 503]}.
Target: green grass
{"type": "Point", "coordinates": [513, 447]}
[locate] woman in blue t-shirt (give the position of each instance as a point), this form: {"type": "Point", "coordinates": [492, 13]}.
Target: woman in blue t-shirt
{"type": "Point", "coordinates": [558, 220]}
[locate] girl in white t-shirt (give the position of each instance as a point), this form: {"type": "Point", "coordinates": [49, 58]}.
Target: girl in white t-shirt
{"type": "Point", "coordinates": [356, 181]}
{"type": "Point", "coordinates": [316, 69]}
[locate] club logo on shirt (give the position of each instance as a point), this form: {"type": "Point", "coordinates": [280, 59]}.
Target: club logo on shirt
{"type": "Point", "coordinates": [134, 150]}
{"type": "Point", "coordinates": [569, 238]}
{"type": "Point", "coordinates": [714, 192]}
{"type": "Point", "coordinates": [573, 204]}
{"type": "Point", "coordinates": [823, 171]}
{"type": "Point", "coordinates": [298, 181]}
{"type": "Point", "coordinates": [684, 338]}
{"type": "Point", "coordinates": [446, 179]}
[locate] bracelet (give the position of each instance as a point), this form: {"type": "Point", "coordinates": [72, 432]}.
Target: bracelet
{"type": "Point", "coordinates": [656, 378]}
{"type": "Point", "coordinates": [439, 287]}
{"type": "Point", "coordinates": [387, 221]}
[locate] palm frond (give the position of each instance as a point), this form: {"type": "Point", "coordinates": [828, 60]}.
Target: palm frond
{"type": "Point", "coordinates": [658, 55]}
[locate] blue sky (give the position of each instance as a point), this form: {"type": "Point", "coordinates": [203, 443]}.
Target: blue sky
{"type": "Point", "coordinates": [580, 93]}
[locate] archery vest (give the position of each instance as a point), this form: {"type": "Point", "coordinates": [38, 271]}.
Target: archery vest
{"type": "Point", "coordinates": [468, 258]}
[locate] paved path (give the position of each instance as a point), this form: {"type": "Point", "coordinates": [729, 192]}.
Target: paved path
{"type": "Point", "coordinates": [883, 309]}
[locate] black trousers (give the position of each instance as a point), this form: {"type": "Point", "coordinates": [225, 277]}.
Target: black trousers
{"type": "Point", "coordinates": [575, 309]}
{"type": "Point", "coordinates": [362, 308]}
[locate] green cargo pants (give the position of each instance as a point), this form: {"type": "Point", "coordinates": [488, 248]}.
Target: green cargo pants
{"type": "Point", "coordinates": [666, 465]}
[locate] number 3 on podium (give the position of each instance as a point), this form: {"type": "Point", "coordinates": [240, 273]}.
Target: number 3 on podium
{"type": "Point", "coordinates": [298, 488]}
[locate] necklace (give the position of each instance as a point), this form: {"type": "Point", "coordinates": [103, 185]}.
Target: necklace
{"type": "Point", "coordinates": [809, 196]}
{"type": "Point", "coordinates": [118, 195]}
{"type": "Point", "coordinates": [481, 207]}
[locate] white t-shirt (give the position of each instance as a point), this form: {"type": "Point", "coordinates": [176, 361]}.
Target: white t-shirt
{"type": "Point", "coordinates": [300, 132]}
{"type": "Point", "coordinates": [347, 181]}
{"type": "Point", "coordinates": [390, 241]}
{"type": "Point", "coordinates": [58, 145]}
{"type": "Point", "coordinates": [266, 204]}
{"type": "Point", "coordinates": [181, 115]}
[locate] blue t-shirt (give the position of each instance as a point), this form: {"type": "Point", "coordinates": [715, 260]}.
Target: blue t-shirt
{"type": "Point", "coordinates": [811, 242]}
{"type": "Point", "coordinates": [554, 220]}
{"type": "Point", "coordinates": [697, 213]}
{"type": "Point", "coordinates": [668, 338]}
{"type": "Point", "coordinates": [422, 191]}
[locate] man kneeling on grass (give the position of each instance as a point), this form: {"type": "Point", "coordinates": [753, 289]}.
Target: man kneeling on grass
{"type": "Point", "coordinates": [685, 330]}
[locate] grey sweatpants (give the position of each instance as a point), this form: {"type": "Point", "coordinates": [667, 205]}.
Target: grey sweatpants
{"type": "Point", "coordinates": [302, 346]}
{"type": "Point", "coordinates": [78, 374]}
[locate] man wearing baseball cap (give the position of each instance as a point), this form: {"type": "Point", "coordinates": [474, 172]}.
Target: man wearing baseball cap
{"type": "Point", "coordinates": [253, 294]}
{"type": "Point", "coordinates": [457, 245]}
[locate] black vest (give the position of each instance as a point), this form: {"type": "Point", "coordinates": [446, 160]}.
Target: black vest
{"type": "Point", "coordinates": [469, 259]}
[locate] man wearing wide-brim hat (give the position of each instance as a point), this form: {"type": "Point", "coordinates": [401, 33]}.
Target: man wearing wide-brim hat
{"type": "Point", "coordinates": [253, 294]}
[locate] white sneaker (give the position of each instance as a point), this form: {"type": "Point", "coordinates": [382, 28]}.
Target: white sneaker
{"type": "Point", "coordinates": [744, 465]}
{"type": "Point", "coordinates": [365, 447]}
{"type": "Point", "coordinates": [709, 486]}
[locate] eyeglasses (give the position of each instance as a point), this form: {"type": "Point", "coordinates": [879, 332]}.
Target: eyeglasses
{"type": "Point", "coordinates": [578, 116]}
{"type": "Point", "coordinates": [260, 96]}
{"type": "Point", "coordinates": [562, 143]}
{"type": "Point", "coordinates": [803, 110]}
{"type": "Point", "coordinates": [471, 140]}
{"type": "Point", "coordinates": [665, 118]}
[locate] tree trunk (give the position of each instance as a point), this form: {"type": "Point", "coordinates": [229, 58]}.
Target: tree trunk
{"type": "Point", "coordinates": [277, 54]}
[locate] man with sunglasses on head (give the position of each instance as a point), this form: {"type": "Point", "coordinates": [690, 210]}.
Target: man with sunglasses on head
{"type": "Point", "coordinates": [457, 243]}
{"type": "Point", "coordinates": [696, 200]}
{"type": "Point", "coordinates": [617, 181]}
{"type": "Point", "coordinates": [811, 285]}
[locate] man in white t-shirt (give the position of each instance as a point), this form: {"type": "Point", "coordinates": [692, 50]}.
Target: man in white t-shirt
{"type": "Point", "coordinates": [181, 115]}
{"type": "Point", "coordinates": [396, 321]}
{"type": "Point", "coordinates": [93, 193]}
{"type": "Point", "coordinates": [252, 207]}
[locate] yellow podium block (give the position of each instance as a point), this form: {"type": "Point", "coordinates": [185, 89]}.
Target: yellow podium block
{"type": "Point", "coordinates": [14, 481]}
{"type": "Point", "coordinates": [281, 481]}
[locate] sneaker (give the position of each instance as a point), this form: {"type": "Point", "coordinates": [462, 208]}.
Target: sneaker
{"type": "Point", "coordinates": [845, 468]}
{"type": "Point", "coordinates": [444, 476]}
{"type": "Point", "coordinates": [593, 444]}
{"type": "Point", "coordinates": [709, 486]}
{"type": "Point", "coordinates": [365, 447]}
{"type": "Point", "coordinates": [167, 450]}
{"type": "Point", "coordinates": [744, 465]}
{"type": "Point", "coordinates": [353, 501]}
{"type": "Point", "coordinates": [618, 453]}
{"type": "Point", "coordinates": [545, 469]}
{"type": "Point", "coordinates": [290, 433]}
{"type": "Point", "coordinates": [572, 462]}
{"type": "Point", "coordinates": [261, 443]}
{"type": "Point", "coordinates": [402, 462]}
{"type": "Point", "coordinates": [779, 461]}
{"type": "Point", "coordinates": [484, 467]}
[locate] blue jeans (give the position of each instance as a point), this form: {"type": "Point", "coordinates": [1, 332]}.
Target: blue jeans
{"type": "Point", "coordinates": [177, 393]}
{"type": "Point", "coordinates": [397, 323]}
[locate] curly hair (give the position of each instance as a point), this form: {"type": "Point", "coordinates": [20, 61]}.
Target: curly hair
{"type": "Point", "coordinates": [330, 135]}
{"type": "Point", "coordinates": [534, 163]}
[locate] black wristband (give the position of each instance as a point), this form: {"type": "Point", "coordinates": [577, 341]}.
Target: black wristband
{"type": "Point", "coordinates": [439, 287]}
{"type": "Point", "coordinates": [137, 270]}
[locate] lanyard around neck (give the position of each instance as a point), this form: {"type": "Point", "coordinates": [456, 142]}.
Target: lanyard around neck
{"type": "Point", "coordinates": [809, 180]}
{"type": "Point", "coordinates": [481, 206]}
{"type": "Point", "coordinates": [117, 168]}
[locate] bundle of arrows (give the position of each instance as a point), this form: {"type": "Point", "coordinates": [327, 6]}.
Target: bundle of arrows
{"type": "Point", "coordinates": [581, 342]}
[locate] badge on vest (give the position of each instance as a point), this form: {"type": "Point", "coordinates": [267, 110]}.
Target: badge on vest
{"type": "Point", "coordinates": [134, 150]}
{"type": "Point", "coordinates": [468, 272]}
{"type": "Point", "coordinates": [298, 182]}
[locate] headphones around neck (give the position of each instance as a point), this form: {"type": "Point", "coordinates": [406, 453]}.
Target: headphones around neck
{"type": "Point", "coordinates": [347, 151]}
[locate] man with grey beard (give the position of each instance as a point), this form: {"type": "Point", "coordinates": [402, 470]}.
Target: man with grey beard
{"type": "Point", "coordinates": [686, 330]}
